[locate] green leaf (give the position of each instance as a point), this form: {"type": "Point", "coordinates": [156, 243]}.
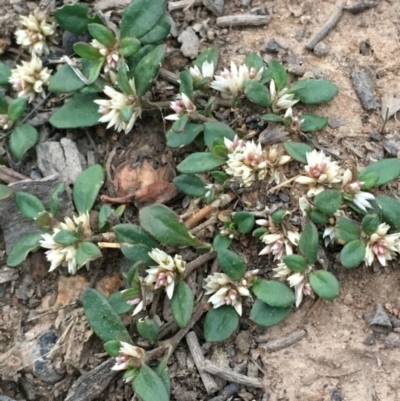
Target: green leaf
{"type": "Point", "coordinates": [134, 60]}
{"type": "Point", "coordinates": [74, 18]}
{"type": "Point", "coordinates": [265, 315]}
{"type": "Point", "coordinates": [147, 385]}
{"type": "Point", "coordinates": [259, 232]}
{"type": "Point", "coordinates": [102, 318]}
{"type": "Point", "coordinates": [86, 188]}
{"type": "Point", "coordinates": [199, 163]}
{"type": "Point", "coordinates": [119, 305]}
{"type": "Point", "coordinates": [298, 150]}
{"type": "Point", "coordinates": [182, 303]}
{"type": "Point", "coordinates": [66, 81]}
{"type": "Point", "coordinates": [272, 117]}
{"type": "Point", "coordinates": [137, 253]}
{"type": "Point", "coordinates": [370, 180]}
{"type": "Point", "coordinates": [105, 212]}
{"type": "Point", "coordinates": [5, 192]}
{"type": "Point", "coordinates": [112, 347]}
{"type": "Point", "coordinates": [231, 264]}
{"type": "Point", "coordinates": [94, 71]}
{"type": "Point", "coordinates": [324, 284]}
{"type": "Point", "coordinates": [132, 234]}
{"type": "Point", "coordinates": [220, 323]}
{"type": "Point", "coordinates": [297, 263]}
{"type": "Point", "coordinates": [186, 137]}
{"type": "Point", "coordinates": [312, 122]}
{"type": "Point", "coordinates": [87, 251]}
{"type": "Point", "coordinates": [159, 32]}
{"type": "Point", "coordinates": [148, 68]}
{"type": "Point", "coordinates": [23, 138]}
{"type": "Point", "coordinates": [220, 177]}
{"type": "Point", "coordinates": [219, 149]}
{"type": "Point", "coordinates": [317, 217]}
{"type": "Point", "coordinates": [244, 221]}
{"type": "Point", "coordinates": [308, 243]}
{"type": "Point", "coordinates": [27, 243]}
{"type": "Point", "coordinates": [3, 104]}
{"type": "Point", "coordinates": [279, 216]}
{"type": "Point", "coordinates": [66, 237]}
{"type": "Point", "coordinates": [257, 93]}
{"type": "Point", "coordinates": [54, 198]}
{"type": "Point", "coordinates": [253, 60]}
{"type": "Point", "coordinates": [370, 223]}
{"type": "Point", "coordinates": [164, 225]}
{"type": "Point", "coordinates": [278, 74]}
{"type": "Point", "coordinates": [314, 91]}
{"type": "Point", "coordinates": [274, 293]}
{"type": "Point", "coordinates": [190, 185]}
{"type": "Point", "coordinates": [148, 330]}
{"type": "Point", "coordinates": [390, 210]}
{"type": "Point", "coordinates": [5, 74]}
{"type": "Point", "coordinates": [217, 130]}
{"type": "Point", "coordinates": [102, 34]}
{"type": "Point", "coordinates": [123, 81]}
{"type": "Point", "coordinates": [87, 51]}
{"type": "Point", "coordinates": [162, 371]}
{"type": "Point", "coordinates": [129, 46]}
{"type": "Point", "coordinates": [221, 242]}
{"type": "Point", "coordinates": [352, 254]}
{"type": "Point", "coordinates": [79, 112]}
{"type": "Point", "coordinates": [140, 17]}
{"type": "Point", "coordinates": [29, 205]}
{"type": "Point", "coordinates": [211, 55]}
{"type": "Point", "coordinates": [16, 108]}
{"type": "Point", "coordinates": [328, 201]}
{"type": "Point", "coordinates": [387, 169]}
{"type": "Point", "coordinates": [186, 83]}
{"type": "Point", "coordinates": [347, 230]}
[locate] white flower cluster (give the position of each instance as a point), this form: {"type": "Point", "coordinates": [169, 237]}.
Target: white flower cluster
{"type": "Point", "coordinates": [120, 111]}
{"type": "Point", "coordinates": [61, 255]}
{"type": "Point", "coordinates": [129, 356]}
{"type": "Point", "coordinates": [182, 105]}
{"type": "Point", "coordinates": [225, 291]}
{"type": "Point", "coordinates": [282, 99]}
{"type": "Point", "coordinates": [30, 78]}
{"type": "Point", "coordinates": [37, 31]}
{"type": "Point", "coordinates": [111, 55]}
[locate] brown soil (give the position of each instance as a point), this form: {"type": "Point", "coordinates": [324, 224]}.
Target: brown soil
{"type": "Point", "coordinates": [333, 362]}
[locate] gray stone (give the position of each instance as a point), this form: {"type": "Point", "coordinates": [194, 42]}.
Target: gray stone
{"type": "Point", "coordinates": [215, 6]}
{"type": "Point", "coordinates": [364, 88]}
{"type": "Point", "coordinates": [62, 158]}
{"type": "Point", "coordinates": [190, 42]}
{"type": "Point", "coordinates": [272, 47]}
{"type": "Point", "coordinates": [375, 136]}
{"type": "Point", "coordinates": [321, 49]}
{"type": "Point", "coordinates": [370, 339]}
{"type": "Point", "coordinates": [380, 323]}
{"type": "Point", "coordinates": [392, 341]}
{"type": "Point", "coordinates": [392, 146]}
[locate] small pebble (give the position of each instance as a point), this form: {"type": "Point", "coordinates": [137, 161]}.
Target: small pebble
{"type": "Point", "coordinates": [370, 339]}
{"type": "Point", "coordinates": [321, 49]}
{"type": "Point", "coordinates": [260, 10]}
{"type": "Point", "coordinates": [272, 47]}
{"type": "Point", "coordinates": [375, 137]}
{"type": "Point", "coordinates": [215, 6]}
{"type": "Point", "coordinates": [392, 146]}
{"type": "Point", "coordinates": [296, 70]}
{"type": "Point", "coordinates": [392, 341]}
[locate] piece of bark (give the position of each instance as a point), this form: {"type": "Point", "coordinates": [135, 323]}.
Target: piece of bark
{"type": "Point", "coordinates": [227, 392]}
{"type": "Point", "coordinates": [169, 76]}
{"type": "Point", "coordinates": [91, 384]}
{"type": "Point", "coordinates": [285, 341]}
{"type": "Point", "coordinates": [198, 357]}
{"type": "Point", "coordinates": [9, 176]}
{"type": "Point", "coordinates": [363, 86]}
{"type": "Point", "coordinates": [177, 5]}
{"type": "Point", "coordinates": [361, 6]}
{"type": "Point", "coordinates": [13, 224]}
{"type": "Point", "coordinates": [231, 375]}
{"type": "Point", "coordinates": [243, 20]}
{"type": "Point", "coordinates": [326, 28]}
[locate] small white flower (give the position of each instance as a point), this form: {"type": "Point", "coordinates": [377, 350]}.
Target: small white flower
{"type": "Point", "coordinates": [232, 82]}
{"type": "Point", "coordinates": [165, 273]}
{"type": "Point", "coordinates": [381, 245]}
{"type": "Point", "coordinates": [227, 292]}
{"type": "Point", "coordinates": [207, 71]}
{"type": "Point", "coordinates": [321, 172]}
{"type": "Point", "coordinates": [234, 145]}
{"type": "Point", "coordinates": [30, 78]}
{"type": "Point", "coordinates": [330, 230]}
{"type": "Point", "coordinates": [281, 99]}
{"type": "Point", "coordinates": [38, 30]}
{"type": "Point", "coordinates": [281, 271]}
{"type": "Point", "coordinates": [5, 122]}
{"type": "Point", "coordinates": [352, 191]}
{"type": "Point", "coordinates": [129, 356]}
{"type": "Point", "coordinates": [110, 54]}
{"type": "Point", "coordinates": [182, 105]}
{"type": "Point", "coordinates": [112, 108]}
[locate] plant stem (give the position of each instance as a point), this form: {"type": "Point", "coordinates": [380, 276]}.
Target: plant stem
{"type": "Point", "coordinates": [115, 245]}
{"type": "Point", "coordinates": [282, 184]}
{"type": "Point", "coordinates": [194, 264]}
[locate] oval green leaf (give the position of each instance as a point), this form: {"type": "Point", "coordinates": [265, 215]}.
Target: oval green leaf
{"type": "Point", "coordinates": [308, 243]}
{"type": "Point", "coordinates": [5, 192]}
{"type": "Point", "coordinates": [186, 137]}
{"type": "Point", "coordinates": [387, 170]}
{"type": "Point", "coordinates": [312, 122]}
{"type": "Point", "coordinates": [273, 293]}
{"type": "Point", "coordinates": [29, 205]}
{"type": "Point", "coordinates": [328, 201]}
{"type": "Point", "coordinates": [244, 221]}
{"type": "Point", "coordinates": [257, 93]}
{"type": "Point", "coordinates": [86, 51]}
{"type": "Point", "coordinates": [133, 234]}
{"type": "Point", "coordinates": [159, 32]}
{"type": "Point", "coordinates": [87, 251]}
{"type": "Point", "coordinates": [199, 163]}
{"type": "Point", "coordinates": [265, 315]}
{"type": "Point", "coordinates": [314, 91]}
{"type": "Point", "coordinates": [102, 34]}
{"type": "Point", "coordinates": [216, 130]}
{"type": "Point", "coordinates": [370, 223]}
{"type": "Point", "coordinates": [182, 303]}
{"type": "Point", "coordinates": [137, 253]}
{"type": "Point", "coordinates": [352, 254]}
{"type": "Point", "coordinates": [66, 237]}
{"type": "Point", "coordinates": [190, 185]}
{"type": "Point", "coordinates": [148, 330]}
{"type": "Point", "coordinates": [220, 323]}
{"type": "Point", "coordinates": [28, 243]}
{"type": "Point", "coordinates": [119, 305]}
{"type": "Point", "coordinates": [17, 108]}
{"type": "Point", "coordinates": [295, 262]}
{"type": "Point", "coordinates": [390, 210]}
{"type": "Point", "coordinates": [278, 74]}
{"type": "Point", "coordinates": [298, 150]}
{"type": "Point", "coordinates": [5, 74]}
{"type": "Point", "coordinates": [23, 138]}
{"type": "Point", "coordinates": [148, 385]}
{"type": "Point", "coordinates": [231, 264]}
{"type": "Point", "coordinates": [347, 230]}
{"type": "Point", "coordinates": [221, 242]}
{"type": "Point", "coordinates": [112, 347]}
{"type": "Point", "coordinates": [324, 284]}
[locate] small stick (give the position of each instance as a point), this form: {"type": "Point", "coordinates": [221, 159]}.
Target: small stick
{"type": "Point", "coordinates": [282, 184]}
{"type": "Point", "coordinates": [285, 341]}
{"type": "Point", "coordinates": [10, 176]}
{"type": "Point", "coordinates": [200, 215]}
{"type": "Point", "coordinates": [227, 392]}
{"type": "Point", "coordinates": [169, 76]}
{"type": "Point", "coordinates": [209, 222]}
{"type": "Point", "coordinates": [76, 70]}
{"type": "Point", "coordinates": [178, 5]}
{"type": "Point", "coordinates": [115, 245]}
{"type": "Point", "coordinates": [231, 375]}
{"type": "Point", "coordinates": [243, 20]}
{"type": "Point", "coordinates": [386, 120]}
{"type": "Point", "coordinates": [326, 28]}
{"type": "Point", "coordinates": [198, 357]}
{"type": "Point", "coordinates": [194, 264]}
